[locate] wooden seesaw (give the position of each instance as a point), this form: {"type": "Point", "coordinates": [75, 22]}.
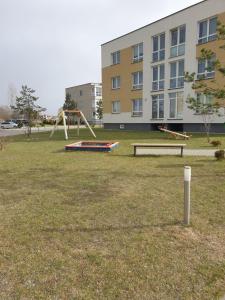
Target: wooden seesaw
{"type": "Point", "coordinates": [175, 134]}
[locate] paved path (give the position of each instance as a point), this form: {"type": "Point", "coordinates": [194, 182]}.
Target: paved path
{"type": "Point", "coordinates": [187, 152]}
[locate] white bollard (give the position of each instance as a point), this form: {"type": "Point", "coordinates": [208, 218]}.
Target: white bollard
{"type": "Point", "coordinates": [187, 194]}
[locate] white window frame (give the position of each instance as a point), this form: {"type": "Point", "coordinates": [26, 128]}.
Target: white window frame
{"type": "Point", "coordinates": [208, 37]}
{"type": "Point", "coordinates": [176, 97]}
{"type": "Point", "coordinates": [159, 84]}
{"type": "Point", "coordinates": [139, 84]}
{"type": "Point", "coordinates": [206, 74]}
{"type": "Point", "coordinates": [158, 99]}
{"type": "Point", "coordinates": [137, 112]}
{"type": "Point", "coordinates": [179, 47]}
{"type": "Point", "coordinates": [160, 51]}
{"type": "Point", "coordinates": [177, 77]}
{"type": "Point", "coordinates": [140, 54]}
{"type": "Point", "coordinates": [116, 107]}
{"type": "Point", "coordinates": [115, 57]}
{"type": "Point", "coordinates": [115, 82]}
{"type": "Point", "coordinates": [204, 99]}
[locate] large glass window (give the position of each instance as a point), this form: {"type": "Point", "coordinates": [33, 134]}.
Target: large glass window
{"type": "Point", "coordinates": [178, 37]}
{"type": "Point", "coordinates": [207, 30]}
{"type": "Point", "coordinates": [137, 109]}
{"type": "Point", "coordinates": [116, 107]}
{"type": "Point", "coordinates": [98, 91]}
{"type": "Point", "coordinates": [137, 80]}
{"type": "Point", "coordinates": [206, 68]}
{"type": "Point", "coordinates": [116, 82]}
{"type": "Point", "coordinates": [158, 77]}
{"type": "Point", "coordinates": [138, 52]}
{"type": "Point", "coordinates": [205, 103]}
{"type": "Point", "coordinates": [158, 42]}
{"type": "Point", "coordinates": [115, 57]}
{"type": "Point", "coordinates": [177, 74]}
{"type": "Point", "coordinates": [158, 106]}
{"type": "Point", "coordinates": [176, 105]}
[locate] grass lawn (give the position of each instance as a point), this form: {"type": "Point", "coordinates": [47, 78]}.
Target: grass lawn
{"type": "Point", "coordinates": [82, 225]}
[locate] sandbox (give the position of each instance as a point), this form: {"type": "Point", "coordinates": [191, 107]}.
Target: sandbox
{"type": "Point", "coordinates": [101, 146]}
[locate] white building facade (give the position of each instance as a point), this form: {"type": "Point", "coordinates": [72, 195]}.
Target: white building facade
{"type": "Point", "coordinates": [143, 71]}
{"type": "Point", "coordinates": [86, 97]}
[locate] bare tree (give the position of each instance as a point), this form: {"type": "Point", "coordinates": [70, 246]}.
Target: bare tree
{"type": "Point", "coordinates": [210, 96]}
{"type": "Point", "coordinates": [12, 94]}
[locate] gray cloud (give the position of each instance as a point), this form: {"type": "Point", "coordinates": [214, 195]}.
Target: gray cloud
{"type": "Point", "coordinates": [53, 44]}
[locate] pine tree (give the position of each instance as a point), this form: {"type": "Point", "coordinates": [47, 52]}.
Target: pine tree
{"type": "Point", "coordinates": [26, 105]}
{"type": "Point", "coordinates": [99, 109]}
{"type": "Point", "coordinates": [69, 104]}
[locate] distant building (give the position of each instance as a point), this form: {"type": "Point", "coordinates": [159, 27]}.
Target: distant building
{"type": "Point", "coordinates": [143, 71]}
{"type": "Point", "coordinates": [86, 97]}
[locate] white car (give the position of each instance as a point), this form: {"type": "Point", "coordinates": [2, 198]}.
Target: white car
{"type": "Point", "coordinates": [8, 125]}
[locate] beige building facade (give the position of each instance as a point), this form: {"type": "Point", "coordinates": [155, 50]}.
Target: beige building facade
{"type": "Point", "coordinates": [86, 97]}
{"type": "Point", "coordinates": [143, 71]}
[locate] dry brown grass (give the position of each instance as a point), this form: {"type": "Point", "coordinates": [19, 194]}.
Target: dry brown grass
{"type": "Point", "coordinates": [108, 226]}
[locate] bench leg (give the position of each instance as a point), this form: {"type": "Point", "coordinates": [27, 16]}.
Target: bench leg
{"type": "Point", "coordinates": [182, 150]}
{"type": "Point", "coordinates": [134, 150]}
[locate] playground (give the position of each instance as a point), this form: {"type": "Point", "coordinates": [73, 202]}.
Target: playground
{"type": "Point", "coordinates": [92, 225]}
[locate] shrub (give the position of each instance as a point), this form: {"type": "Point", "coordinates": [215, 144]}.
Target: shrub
{"type": "Point", "coordinates": [216, 143]}
{"type": "Point", "coordinates": [219, 154]}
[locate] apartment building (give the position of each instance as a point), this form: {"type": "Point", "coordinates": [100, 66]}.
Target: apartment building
{"type": "Point", "coordinates": [143, 71]}
{"type": "Point", "coordinates": [86, 97]}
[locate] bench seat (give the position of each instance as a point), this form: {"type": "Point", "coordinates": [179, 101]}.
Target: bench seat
{"type": "Point", "coordinates": [147, 145]}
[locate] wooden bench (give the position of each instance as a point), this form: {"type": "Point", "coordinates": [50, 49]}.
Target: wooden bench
{"type": "Point", "coordinates": [145, 145]}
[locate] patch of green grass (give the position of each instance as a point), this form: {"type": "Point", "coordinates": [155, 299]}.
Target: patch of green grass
{"type": "Point", "coordinates": [83, 225]}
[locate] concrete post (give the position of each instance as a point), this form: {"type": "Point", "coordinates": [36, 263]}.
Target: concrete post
{"type": "Point", "coordinates": [187, 194]}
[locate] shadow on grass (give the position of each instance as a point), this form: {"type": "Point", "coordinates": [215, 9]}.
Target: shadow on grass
{"type": "Point", "coordinates": [178, 165]}
{"type": "Point", "coordinates": [112, 228]}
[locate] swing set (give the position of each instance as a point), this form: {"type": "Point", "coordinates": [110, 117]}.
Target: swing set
{"type": "Point", "coordinates": [62, 116]}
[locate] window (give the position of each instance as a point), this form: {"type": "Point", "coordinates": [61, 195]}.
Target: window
{"type": "Point", "coordinates": [115, 57]}
{"type": "Point", "coordinates": [116, 82]}
{"type": "Point", "coordinates": [207, 30]}
{"type": "Point", "coordinates": [158, 106]}
{"type": "Point", "coordinates": [205, 103]}
{"type": "Point", "coordinates": [137, 107]}
{"type": "Point", "coordinates": [116, 107]}
{"type": "Point", "coordinates": [98, 91]}
{"type": "Point", "coordinates": [177, 74]}
{"type": "Point", "coordinates": [137, 80]}
{"type": "Point", "coordinates": [158, 42]}
{"type": "Point", "coordinates": [176, 105]}
{"type": "Point", "coordinates": [138, 52]}
{"type": "Point", "coordinates": [81, 93]}
{"type": "Point", "coordinates": [158, 77]}
{"type": "Point", "coordinates": [206, 68]}
{"type": "Point", "coordinates": [178, 36]}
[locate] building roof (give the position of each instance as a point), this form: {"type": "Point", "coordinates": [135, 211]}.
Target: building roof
{"type": "Point", "coordinates": [88, 83]}
{"type": "Point", "coordinates": [155, 21]}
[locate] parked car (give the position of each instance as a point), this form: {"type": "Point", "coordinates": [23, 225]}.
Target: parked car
{"type": "Point", "coordinates": [8, 125]}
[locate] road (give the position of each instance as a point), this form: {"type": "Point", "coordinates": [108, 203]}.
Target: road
{"type": "Point", "coordinates": [17, 131]}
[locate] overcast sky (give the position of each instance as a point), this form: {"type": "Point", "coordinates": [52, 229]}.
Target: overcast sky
{"type": "Point", "coordinates": [53, 44]}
